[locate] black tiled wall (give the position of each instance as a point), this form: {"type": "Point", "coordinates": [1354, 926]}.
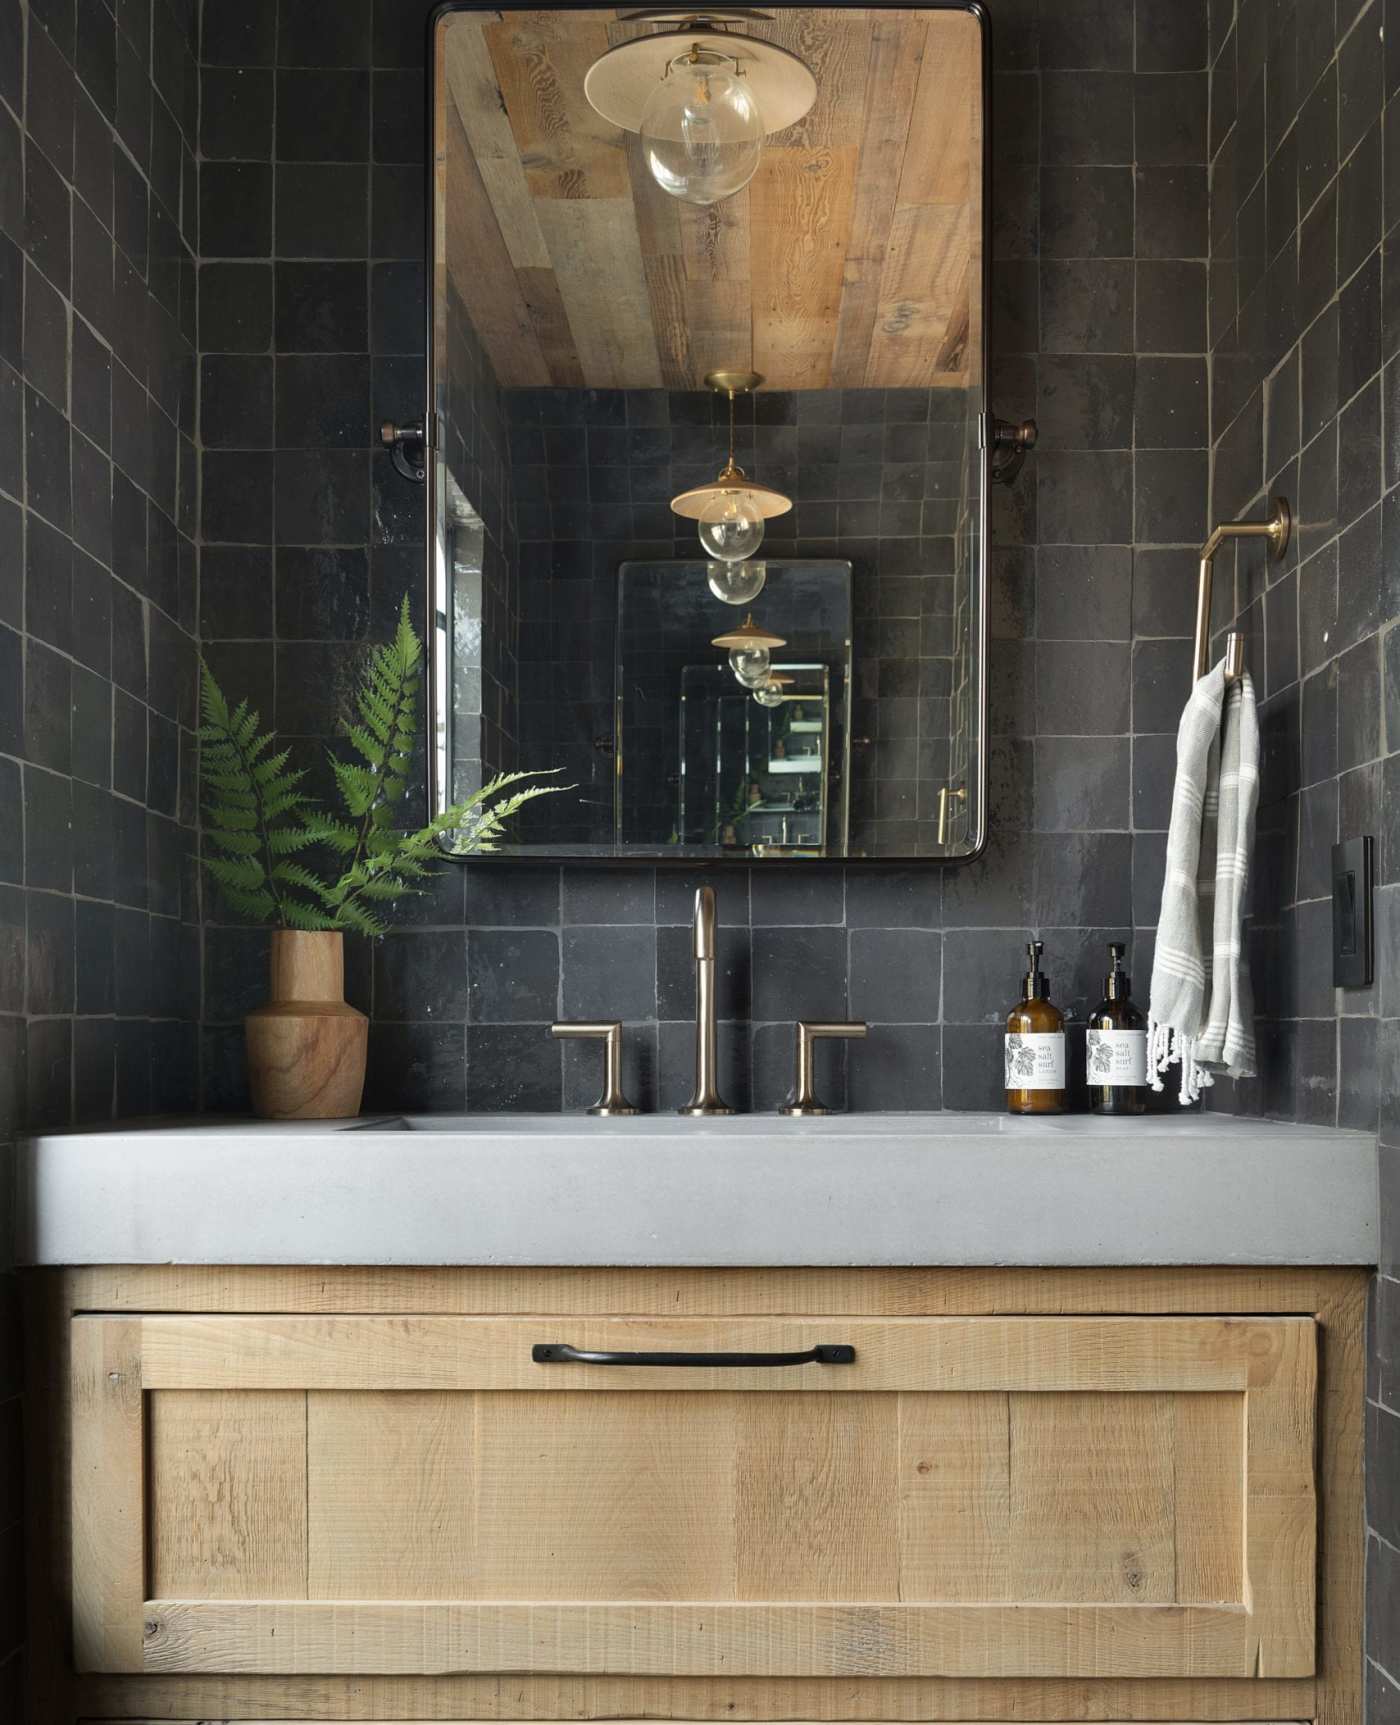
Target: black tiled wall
{"type": "Point", "coordinates": [1305, 360]}
{"type": "Point", "coordinates": [311, 306]}
{"type": "Point", "coordinates": [99, 935]}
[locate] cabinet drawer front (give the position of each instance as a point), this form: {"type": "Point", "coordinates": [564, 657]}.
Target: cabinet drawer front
{"type": "Point", "coordinates": [968, 1497]}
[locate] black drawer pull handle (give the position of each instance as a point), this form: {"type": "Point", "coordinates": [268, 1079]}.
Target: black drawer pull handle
{"type": "Point", "coordinates": [824, 1354]}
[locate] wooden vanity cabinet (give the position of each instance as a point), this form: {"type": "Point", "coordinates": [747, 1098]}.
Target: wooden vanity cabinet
{"type": "Point", "coordinates": [356, 1494]}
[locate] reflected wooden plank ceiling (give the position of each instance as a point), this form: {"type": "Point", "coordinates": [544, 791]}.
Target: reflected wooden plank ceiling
{"type": "Point", "coordinates": [852, 259]}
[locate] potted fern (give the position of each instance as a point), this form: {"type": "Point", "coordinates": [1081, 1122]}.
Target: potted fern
{"type": "Point", "coordinates": [311, 873]}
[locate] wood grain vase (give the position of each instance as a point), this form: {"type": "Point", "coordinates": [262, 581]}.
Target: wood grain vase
{"type": "Point", "coordinates": [306, 1047]}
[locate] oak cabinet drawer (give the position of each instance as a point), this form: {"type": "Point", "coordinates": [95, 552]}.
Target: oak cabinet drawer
{"type": "Point", "coordinates": [998, 1497]}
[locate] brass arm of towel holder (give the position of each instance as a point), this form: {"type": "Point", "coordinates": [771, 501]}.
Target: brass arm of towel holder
{"type": "Point", "coordinates": [1276, 530]}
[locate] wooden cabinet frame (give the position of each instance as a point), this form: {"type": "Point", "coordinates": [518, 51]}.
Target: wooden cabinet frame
{"type": "Point", "coordinates": [119, 1362]}
{"type": "Point", "coordinates": [133, 1332]}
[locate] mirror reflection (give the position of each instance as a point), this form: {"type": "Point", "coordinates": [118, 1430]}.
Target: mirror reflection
{"type": "Point", "coordinates": [708, 486]}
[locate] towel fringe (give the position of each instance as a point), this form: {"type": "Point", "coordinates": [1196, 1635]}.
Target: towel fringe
{"type": "Point", "coordinates": [1170, 1046]}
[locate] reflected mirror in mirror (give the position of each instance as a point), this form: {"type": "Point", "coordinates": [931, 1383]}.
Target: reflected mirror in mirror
{"type": "Point", "coordinates": [708, 355]}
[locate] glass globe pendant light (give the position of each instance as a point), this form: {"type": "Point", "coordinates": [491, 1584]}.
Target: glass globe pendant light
{"type": "Point", "coordinates": [770, 692]}
{"type": "Point", "coordinates": [736, 583]}
{"type": "Point", "coordinates": [750, 651]}
{"type": "Point", "coordinates": [731, 526]}
{"type": "Point", "coordinates": [731, 511]}
{"type": "Point", "coordinates": [701, 96]}
{"type": "Point", "coordinates": [750, 665]}
{"type": "Point", "coordinates": [701, 130]}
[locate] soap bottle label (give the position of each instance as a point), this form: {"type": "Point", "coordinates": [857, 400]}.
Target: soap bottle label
{"type": "Point", "coordinates": [1035, 1060]}
{"type": "Point", "coordinates": [1117, 1057]}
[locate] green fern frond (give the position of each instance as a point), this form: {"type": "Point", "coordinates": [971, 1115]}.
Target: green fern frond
{"type": "Point", "coordinates": [323, 829]}
{"type": "Point", "coordinates": [232, 819]}
{"type": "Point", "coordinates": [250, 791]}
{"type": "Point", "coordinates": [238, 844]}
{"type": "Point", "coordinates": [237, 874]}
{"type": "Point", "coordinates": [306, 917]}
{"type": "Point", "coordinates": [259, 819]}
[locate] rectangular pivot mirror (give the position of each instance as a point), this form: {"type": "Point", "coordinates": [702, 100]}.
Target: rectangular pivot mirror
{"type": "Point", "coordinates": [708, 484]}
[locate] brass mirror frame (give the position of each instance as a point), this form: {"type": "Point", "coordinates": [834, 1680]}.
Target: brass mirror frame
{"type": "Point", "coordinates": [437, 672]}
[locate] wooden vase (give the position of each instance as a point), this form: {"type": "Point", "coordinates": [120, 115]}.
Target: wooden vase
{"type": "Point", "coordinates": [306, 1047]}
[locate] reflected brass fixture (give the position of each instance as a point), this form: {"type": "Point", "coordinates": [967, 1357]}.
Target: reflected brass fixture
{"type": "Point", "coordinates": [1010, 443]}
{"type": "Point", "coordinates": [763, 501]}
{"type": "Point", "coordinates": [769, 692]}
{"type": "Point", "coordinates": [947, 794]}
{"type": "Point", "coordinates": [705, 1099]}
{"type": "Point", "coordinates": [1277, 530]}
{"type": "Point", "coordinates": [748, 638]}
{"type": "Point", "coordinates": [802, 1101]}
{"type": "Point", "coordinates": [613, 1101]}
{"type": "Point", "coordinates": [750, 651]}
{"type": "Point", "coordinates": [619, 84]}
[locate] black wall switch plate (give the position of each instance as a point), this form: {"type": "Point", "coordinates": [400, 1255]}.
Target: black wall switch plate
{"type": "Point", "coordinates": [1353, 946]}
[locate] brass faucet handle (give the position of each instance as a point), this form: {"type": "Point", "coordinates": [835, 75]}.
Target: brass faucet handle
{"type": "Point", "coordinates": [803, 1100]}
{"type": "Point", "coordinates": [613, 1100]}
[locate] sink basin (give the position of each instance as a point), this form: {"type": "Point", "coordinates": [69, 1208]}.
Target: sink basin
{"type": "Point", "coordinates": [930, 1126]}
{"type": "Point", "coordinates": [869, 1189]}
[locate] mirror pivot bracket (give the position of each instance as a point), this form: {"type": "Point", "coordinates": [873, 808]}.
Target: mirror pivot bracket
{"type": "Point", "coordinates": [407, 448]}
{"type": "Point", "coordinates": [1010, 443]}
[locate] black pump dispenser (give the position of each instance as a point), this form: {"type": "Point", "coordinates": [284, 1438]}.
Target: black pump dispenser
{"type": "Point", "coordinates": [1117, 985]}
{"type": "Point", "coordinates": [1036, 985]}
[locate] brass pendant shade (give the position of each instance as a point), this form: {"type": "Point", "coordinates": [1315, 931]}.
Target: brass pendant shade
{"type": "Point", "coordinates": [767, 502]}
{"type": "Point", "coordinates": [619, 82]}
{"type": "Point", "coordinates": [748, 638]}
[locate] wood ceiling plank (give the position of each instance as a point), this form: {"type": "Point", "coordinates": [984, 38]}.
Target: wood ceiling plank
{"type": "Point", "coordinates": [550, 321]}
{"type": "Point", "coordinates": [663, 262]}
{"type": "Point", "coordinates": [481, 270]}
{"type": "Point", "coordinates": [801, 205]}
{"type": "Point", "coordinates": [832, 268]}
{"type": "Point", "coordinates": [924, 273]}
{"type": "Point", "coordinates": [475, 90]}
{"type": "Point", "coordinates": [896, 60]}
{"type": "Point", "coordinates": [937, 161]}
{"type": "Point", "coordinates": [540, 58]}
{"type": "Point", "coordinates": [717, 251]}
{"type": "Point", "coordinates": [836, 44]}
{"type": "Point", "coordinates": [602, 282]}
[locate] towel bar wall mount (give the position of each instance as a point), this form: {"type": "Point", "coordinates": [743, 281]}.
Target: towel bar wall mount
{"type": "Point", "coordinates": [1277, 530]}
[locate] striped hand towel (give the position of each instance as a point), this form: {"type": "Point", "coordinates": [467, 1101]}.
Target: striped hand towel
{"type": "Point", "coordinates": [1201, 1012]}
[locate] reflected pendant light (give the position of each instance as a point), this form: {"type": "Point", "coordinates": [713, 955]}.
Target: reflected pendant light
{"type": "Point", "coordinates": [736, 583]}
{"type": "Point", "coordinates": [769, 693]}
{"type": "Point", "coordinates": [750, 651]}
{"type": "Point", "coordinates": [732, 509]}
{"type": "Point", "coordinates": [701, 99]}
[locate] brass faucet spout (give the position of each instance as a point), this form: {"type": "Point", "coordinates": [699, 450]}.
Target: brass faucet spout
{"type": "Point", "coordinates": [703, 941]}
{"type": "Point", "coordinates": [706, 1098]}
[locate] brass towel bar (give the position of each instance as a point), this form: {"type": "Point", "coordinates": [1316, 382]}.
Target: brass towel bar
{"type": "Point", "coordinates": [1276, 530]}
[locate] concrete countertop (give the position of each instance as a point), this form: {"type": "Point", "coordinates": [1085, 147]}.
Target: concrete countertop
{"type": "Point", "coordinates": [877, 1189]}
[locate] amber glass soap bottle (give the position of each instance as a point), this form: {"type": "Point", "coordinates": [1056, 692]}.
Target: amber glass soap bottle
{"type": "Point", "coordinates": [1035, 1046]}
{"type": "Point", "coordinates": [1117, 1045]}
